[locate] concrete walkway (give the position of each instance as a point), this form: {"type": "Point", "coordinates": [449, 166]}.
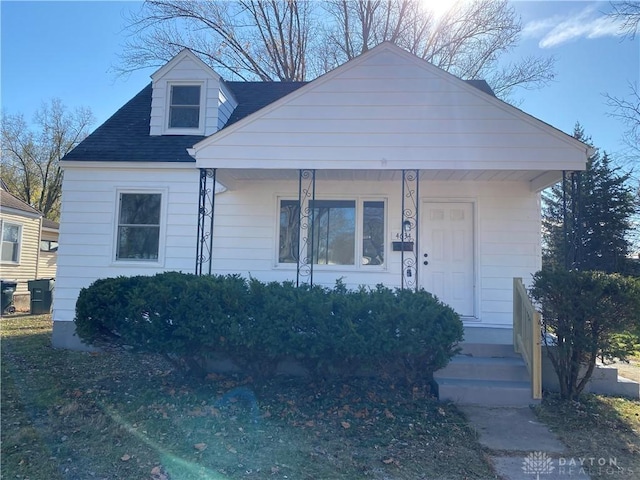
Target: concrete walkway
{"type": "Point", "coordinates": [520, 447]}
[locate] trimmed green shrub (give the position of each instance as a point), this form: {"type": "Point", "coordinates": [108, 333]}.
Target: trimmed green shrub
{"type": "Point", "coordinates": [188, 318]}
{"type": "Point", "coordinates": [584, 314]}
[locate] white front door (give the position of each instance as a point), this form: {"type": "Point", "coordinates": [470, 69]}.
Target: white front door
{"type": "Point", "coordinates": [446, 255]}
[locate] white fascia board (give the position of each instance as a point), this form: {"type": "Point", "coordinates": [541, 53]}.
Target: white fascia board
{"type": "Point", "coordinates": [129, 165]}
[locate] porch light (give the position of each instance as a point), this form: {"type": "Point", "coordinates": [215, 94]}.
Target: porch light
{"type": "Point", "coordinates": [406, 226]}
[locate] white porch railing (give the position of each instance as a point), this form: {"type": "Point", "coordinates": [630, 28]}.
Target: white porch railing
{"type": "Point", "coordinates": [527, 335]}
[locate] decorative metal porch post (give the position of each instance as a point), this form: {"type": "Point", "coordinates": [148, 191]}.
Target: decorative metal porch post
{"type": "Point", "coordinates": [409, 233]}
{"type": "Point", "coordinates": [206, 204]}
{"type": "Point", "coordinates": [306, 198]}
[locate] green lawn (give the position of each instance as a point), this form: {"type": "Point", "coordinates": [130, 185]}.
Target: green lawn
{"type": "Point", "coordinates": [118, 415]}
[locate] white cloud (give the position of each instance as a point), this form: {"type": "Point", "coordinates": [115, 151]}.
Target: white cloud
{"type": "Point", "coordinates": [558, 29]}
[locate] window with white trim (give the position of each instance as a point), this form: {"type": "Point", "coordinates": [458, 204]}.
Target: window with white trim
{"type": "Point", "coordinates": [138, 234]}
{"type": "Point", "coordinates": [343, 231]}
{"type": "Point", "coordinates": [184, 106]}
{"type": "Point", "coordinates": [11, 241]}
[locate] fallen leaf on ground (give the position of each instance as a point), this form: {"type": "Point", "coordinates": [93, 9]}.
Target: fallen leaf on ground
{"type": "Point", "coordinates": [200, 446]}
{"type": "Point", "coordinates": [345, 425]}
{"type": "Point", "coordinates": [126, 457]}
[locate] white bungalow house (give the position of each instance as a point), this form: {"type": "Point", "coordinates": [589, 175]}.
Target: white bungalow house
{"type": "Point", "coordinates": [385, 170]}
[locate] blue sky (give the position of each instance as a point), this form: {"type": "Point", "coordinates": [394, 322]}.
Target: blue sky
{"type": "Point", "coordinates": [66, 50]}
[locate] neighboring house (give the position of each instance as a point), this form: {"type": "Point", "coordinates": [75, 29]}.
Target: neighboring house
{"type": "Point", "coordinates": [47, 263]}
{"type": "Point", "coordinates": [405, 175]}
{"type": "Point", "coordinates": [24, 234]}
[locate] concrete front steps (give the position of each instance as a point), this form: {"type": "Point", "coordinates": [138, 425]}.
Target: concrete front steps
{"type": "Point", "coordinates": [486, 374]}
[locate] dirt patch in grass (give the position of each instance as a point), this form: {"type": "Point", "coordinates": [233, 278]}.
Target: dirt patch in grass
{"type": "Point", "coordinates": [603, 431]}
{"type": "Point", "coordinates": [119, 415]}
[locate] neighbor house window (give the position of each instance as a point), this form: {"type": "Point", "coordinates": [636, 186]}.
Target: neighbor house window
{"type": "Point", "coordinates": [343, 232]}
{"type": "Point", "coordinates": [11, 236]}
{"type": "Point", "coordinates": [48, 246]}
{"type": "Point", "coordinates": [184, 109]}
{"type": "Point", "coordinates": [139, 226]}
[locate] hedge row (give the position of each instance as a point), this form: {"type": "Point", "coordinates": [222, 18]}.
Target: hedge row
{"type": "Point", "coordinates": [256, 325]}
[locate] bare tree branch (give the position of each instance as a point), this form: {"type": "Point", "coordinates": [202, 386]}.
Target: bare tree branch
{"type": "Point", "coordinates": [628, 12]}
{"type": "Point", "coordinates": [298, 39]}
{"type": "Point", "coordinates": [628, 111]}
{"type": "Point", "coordinates": [249, 38]}
{"type": "Point", "coordinates": [30, 160]}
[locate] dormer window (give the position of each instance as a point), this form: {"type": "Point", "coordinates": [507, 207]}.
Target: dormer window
{"type": "Point", "coordinates": [184, 107]}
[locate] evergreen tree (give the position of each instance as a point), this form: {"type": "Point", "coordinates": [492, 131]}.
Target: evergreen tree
{"type": "Point", "coordinates": [587, 217]}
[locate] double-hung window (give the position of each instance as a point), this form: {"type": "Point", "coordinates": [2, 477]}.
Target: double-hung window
{"type": "Point", "coordinates": [339, 232]}
{"type": "Point", "coordinates": [11, 240]}
{"type": "Point", "coordinates": [138, 235]}
{"type": "Point", "coordinates": [184, 107]}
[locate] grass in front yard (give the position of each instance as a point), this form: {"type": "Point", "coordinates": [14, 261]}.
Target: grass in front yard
{"type": "Point", "coordinates": [118, 415]}
{"type": "Point", "coordinates": [597, 427]}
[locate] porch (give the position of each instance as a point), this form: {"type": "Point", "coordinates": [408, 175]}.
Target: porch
{"type": "Point", "coordinates": [461, 235]}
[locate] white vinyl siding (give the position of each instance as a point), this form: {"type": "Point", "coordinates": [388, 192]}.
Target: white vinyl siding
{"type": "Point", "coordinates": [89, 220]}
{"type": "Point", "coordinates": [387, 110]}
{"type": "Point", "coordinates": [226, 105]}
{"type": "Point", "coordinates": [507, 235]}
{"type": "Point", "coordinates": [246, 232]}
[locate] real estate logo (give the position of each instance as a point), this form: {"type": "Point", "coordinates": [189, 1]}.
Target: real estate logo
{"type": "Point", "coordinates": [537, 463]}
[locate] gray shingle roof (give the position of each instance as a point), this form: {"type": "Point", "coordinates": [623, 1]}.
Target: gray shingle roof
{"type": "Point", "coordinates": [252, 96]}
{"type": "Point", "coordinates": [46, 223]}
{"type": "Point", "coordinates": [7, 200]}
{"type": "Point", "coordinates": [125, 136]}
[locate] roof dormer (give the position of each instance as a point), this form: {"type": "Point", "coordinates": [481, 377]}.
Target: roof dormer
{"type": "Point", "coordinates": [188, 98]}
